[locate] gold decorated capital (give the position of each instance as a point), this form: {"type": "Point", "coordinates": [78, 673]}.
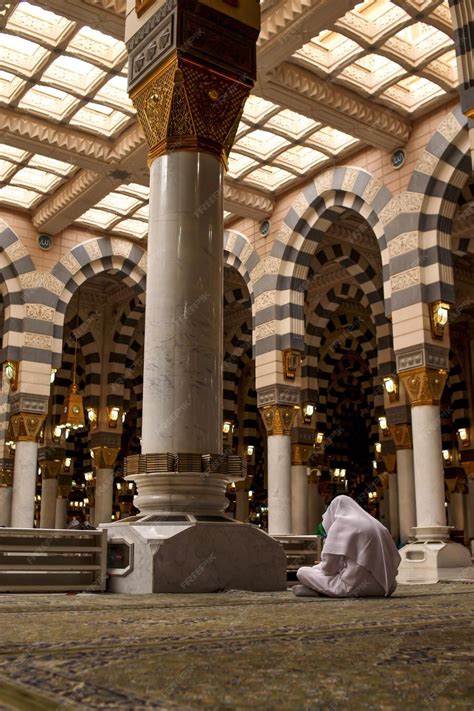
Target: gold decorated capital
{"type": "Point", "coordinates": [105, 457]}
{"type": "Point", "coordinates": [51, 468]}
{"type": "Point", "coordinates": [390, 461]}
{"type": "Point", "coordinates": [300, 454]}
{"type": "Point", "coordinates": [189, 106]}
{"type": "Point", "coordinates": [278, 419]}
{"type": "Point", "coordinates": [6, 478]}
{"type": "Point", "coordinates": [424, 386]}
{"type": "Point", "coordinates": [401, 435]}
{"type": "Point", "coordinates": [26, 427]}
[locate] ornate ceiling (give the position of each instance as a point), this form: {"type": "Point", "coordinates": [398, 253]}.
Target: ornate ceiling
{"type": "Point", "coordinates": [333, 77]}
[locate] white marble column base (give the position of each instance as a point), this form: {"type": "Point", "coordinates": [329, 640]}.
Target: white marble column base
{"type": "Point", "coordinates": [181, 491]}
{"type": "Point", "coordinates": [426, 562]}
{"type": "Point", "coordinates": [196, 557]}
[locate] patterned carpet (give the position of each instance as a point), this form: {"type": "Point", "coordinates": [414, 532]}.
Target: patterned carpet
{"type": "Point", "coordinates": [238, 650]}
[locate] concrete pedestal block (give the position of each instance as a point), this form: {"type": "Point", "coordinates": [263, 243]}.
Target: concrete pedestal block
{"type": "Point", "coordinates": [188, 555]}
{"type": "Point", "coordinates": [433, 560]}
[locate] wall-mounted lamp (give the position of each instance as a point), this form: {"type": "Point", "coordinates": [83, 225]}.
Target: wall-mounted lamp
{"type": "Point", "coordinates": [447, 456]}
{"type": "Point", "coordinates": [378, 447]}
{"type": "Point", "coordinates": [92, 417]}
{"type": "Point", "coordinates": [391, 385]}
{"type": "Point", "coordinates": [113, 414]}
{"type": "Point", "coordinates": [308, 412]}
{"type": "Point", "coordinates": [52, 377]}
{"type": "Point", "coordinates": [124, 416]}
{"type": "Point", "coordinates": [56, 434]}
{"type": "Point", "coordinates": [227, 427]}
{"type": "Point", "coordinates": [67, 464]}
{"type": "Point", "coordinates": [372, 497]}
{"type": "Point", "coordinates": [319, 439]}
{"type": "Point", "coordinates": [11, 373]}
{"type": "Point", "coordinates": [250, 450]}
{"type": "Point", "coordinates": [89, 476]}
{"type": "Point", "coordinates": [384, 426]}
{"type": "Point", "coordinates": [291, 361]}
{"type": "Point", "coordinates": [439, 312]}
{"type": "Point", "coordinates": [464, 436]}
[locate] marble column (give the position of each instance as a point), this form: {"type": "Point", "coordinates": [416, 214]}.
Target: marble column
{"type": "Point", "coordinates": [104, 462]}
{"type": "Point", "coordinates": [394, 512]}
{"type": "Point", "coordinates": [470, 506]}
{"type": "Point", "coordinates": [278, 421]}
{"type": "Point", "coordinates": [50, 469]}
{"type": "Point", "coordinates": [242, 507]}
{"type": "Point", "coordinates": [401, 434]}
{"type": "Point", "coordinates": [457, 511]}
{"type": "Point", "coordinates": [62, 501]}
{"type": "Point", "coordinates": [424, 387]}
{"type": "Point", "coordinates": [6, 490]}
{"type": "Point", "coordinates": [299, 489]}
{"type": "Point", "coordinates": [25, 428]}
{"type": "Point", "coordinates": [316, 504]}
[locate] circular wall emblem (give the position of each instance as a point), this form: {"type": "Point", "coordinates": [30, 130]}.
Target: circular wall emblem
{"type": "Point", "coordinates": [398, 158]}
{"type": "Point", "coordinates": [265, 228]}
{"type": "Point", "coordinates": [45, 242]}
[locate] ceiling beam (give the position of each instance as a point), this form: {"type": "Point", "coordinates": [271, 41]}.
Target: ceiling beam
{"type": "Point", "coordinates": [108, 16]}
{"type": "Point", "coordinates": [297, 89]}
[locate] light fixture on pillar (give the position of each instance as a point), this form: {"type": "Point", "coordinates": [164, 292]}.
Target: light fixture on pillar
{"type": "Point", "coordinates": [464, 436]}
{"type": "Point", "coordinates": [89, 477]}
{"type": "Point", "coordinates": [113, 414]}
{"type": "Point", "coordinates": [447, 457]}
{"type": "Point", "coordinates": [72, 416]}
{"type": "Point", "coordinates": [52, 377]}
{"type": "Point", "coordinates": [383, 424]}
{"type": "Point", "coordinates": [67, 464]}
{"type": "Point", "coordinates": [319, 439]}
{"type": "Point", "coordinates": [391, 384]}
{"type": "Point", "coordinates": [227, 427]}
{"type": "Point", "coordinates": [378, 447]}
{"type": "Point", "coordinates": [92, 417]}
{"type": "Point", "coordinates": [439, 312]}
{"type": "Point", "coordinates": [308, 412]}
{"type": "Point", "coordinates": [291, 361]}
{"type": "Point", "coordinates": [250, 450]}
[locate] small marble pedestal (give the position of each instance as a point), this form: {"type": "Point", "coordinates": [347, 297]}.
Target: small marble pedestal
{"type": "Point", "coordinates": [432, 557]}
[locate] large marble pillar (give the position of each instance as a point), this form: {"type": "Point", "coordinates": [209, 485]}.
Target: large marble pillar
{"type": "Point", "coordinates": [50, 469]}
{"type": "Point", "coordinates": [6, 490]}
{"type": "Point", "coordinates": [192, 66]}
{"type": "Point", "coordinates": [242, 504]}
{"type": "Point", "coordinates": [316, 503]}
{"type": "Point", "coordinates": [394, 512]}
{"type": "Point", "coordinates": [25, 428]}
{"type": "Point", "coordinates": [401, 434]}
{"type": "Point", "coordinates": [278, 420]}
{"type": "Point", "coordinates": [299, 488]}
{"type": "Point", "coordinates": [424, 387]}
{"type": "Point", "coordinates": [470, 506]}
{"type": "Point", "coordinates": [104, 462]}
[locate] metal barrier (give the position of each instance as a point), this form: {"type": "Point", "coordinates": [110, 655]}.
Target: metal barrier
{"type": "Point", "coordinates": [47, 560]}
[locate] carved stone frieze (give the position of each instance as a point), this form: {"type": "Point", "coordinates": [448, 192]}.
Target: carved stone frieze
{"type": "Point", "coordinates": [29, 403]}
{"type": "Point", "coordinates": [424, 386]}
{"type": "Point", "coordinates": [278, 394]}
{"type": "Point", "coordinates": [45, 280]}
{"type": "Point", "coordinates": [426, 354]}
{"type": "Point", "coordinates": [278, 419]}
{"type": "Point", "coordinates": [39, 312]}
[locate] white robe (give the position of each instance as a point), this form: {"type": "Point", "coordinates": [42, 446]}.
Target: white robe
{"type": "Point", "coordinates": [359, 557]}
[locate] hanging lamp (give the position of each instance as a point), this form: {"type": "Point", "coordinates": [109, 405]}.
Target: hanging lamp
{"type": "Point", "coordinates": [72, 416]}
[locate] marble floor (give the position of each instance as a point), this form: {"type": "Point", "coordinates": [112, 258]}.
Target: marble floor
{"type": "Point", "coordinates": [238, 650]}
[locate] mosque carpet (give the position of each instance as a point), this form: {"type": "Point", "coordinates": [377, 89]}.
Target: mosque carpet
{"type": "Point", "coordinates": [238, 650]}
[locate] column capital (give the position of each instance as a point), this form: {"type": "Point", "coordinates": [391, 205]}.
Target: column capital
{"type": "Point", "coordinates": [105, 457]}
{"type": "Point", "coordinates": [424, 386]}
{"type": "Point", "coordinates": [300, 453]}
{"type": "Point", "coordinates": [401, 435]}
{"type": "Point", "coordinates": [6, 478]}
{"type": "Point", "coordinates": [51, 468]}
{"type": "Point", "coordinates": [64, 485]}
{"type": "Point", "coordinates": [278, 419]}
{"type": "Point", "coordinates": [26, 427]}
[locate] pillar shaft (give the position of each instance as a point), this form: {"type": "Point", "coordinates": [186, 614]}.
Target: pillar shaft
{"type": "Point", "coordinates": [6, 490]}
{"type": "Point", "coordinates": [25, 428]}
{"type": "Point", "coordinates": [299, 500]}
{"type": "Point", "coordinates": [183, 322]}
{"type": "Point", "coordinates": [279, 485]}
{"type": "Point", "coordinates": [393, 506]}
{"type": "Point", "coordinates": [406, 494]}
{"type": "Point", "coordinates": [242, 507]}
{"type": "Point", "coordinates": [61, 513]}
{"type": "Point", "coordinates": [104, 495]}
{"type": "Point", "coordinates": [49, 489]}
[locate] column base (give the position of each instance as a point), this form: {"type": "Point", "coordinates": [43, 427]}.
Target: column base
{"type": "Point", "coordinates": [186, 553]}
{"type": "Point", "coordinates": [433, 560]}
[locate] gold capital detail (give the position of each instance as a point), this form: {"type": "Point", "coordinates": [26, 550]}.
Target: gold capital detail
{"type": "Point", "coordinates": [51, 468]}
{"type": "Point", "coordinates": [188, 106]}
{"type": "Point", "coordinates": [278, 419]}
{"type": "Point", "coordinates": [104, 457]}
{"type": "Point", "coordinates": [401, 435]}
{"type": "Point", "coordinates": [6, 478]}
{"type": "Point", "coordinates": [424, 386]}
{"type": "Point", "coordinates": [26, 427]}
{"type": "Point", "coordinates": [300, 454]}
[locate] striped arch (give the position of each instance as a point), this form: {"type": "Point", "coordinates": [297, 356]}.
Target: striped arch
{"type": "Point", "coordinates": [458, 393]}
{"type": "Point", "coordinates": [238, 343]}
{"type": "Point", "coordinates": [462, 239]}
{"type": "Point", "coordinates": [236, 296]}
{"type": "Point", "coordinates": [313, 212]}
{"type": "Point", "coordinates": [84, 261]}
{"type": "Point", "coordinates": [419, 223]}
{"type": "Point", "coordinates": [239, 254]}
{"type": "Point", "coordinates": [16, 275]}
{"type": "Point", "coordinates": [129, 321]}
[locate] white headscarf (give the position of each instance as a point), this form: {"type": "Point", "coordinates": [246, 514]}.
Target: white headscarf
{"type": "Point", "coordinates": [355, 534]}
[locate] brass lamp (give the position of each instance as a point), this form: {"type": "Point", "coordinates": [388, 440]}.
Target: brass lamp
{"type": "Point", "coordinates": [391, 385]}
{"type": "Point", "coordinates": [439, 313]}
{"type": "Point", "coordinates": [308, 412]}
